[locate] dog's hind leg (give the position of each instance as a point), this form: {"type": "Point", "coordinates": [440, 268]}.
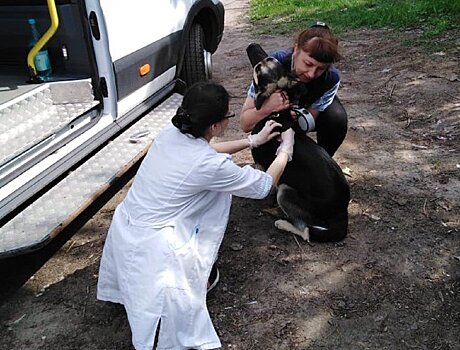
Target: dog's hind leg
{"type": "Point", "coordinates": [295, 209]}
{"type": "Point", "coordinates": [287, 226]}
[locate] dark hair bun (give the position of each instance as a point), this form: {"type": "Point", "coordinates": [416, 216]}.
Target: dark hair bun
{"type": "Point", "coordinates": [204, 103]}
{"type": "Point", "coordinates": [181, 119]}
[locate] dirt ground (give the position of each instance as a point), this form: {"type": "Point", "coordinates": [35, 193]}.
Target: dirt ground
{"type": "Point", "coordinates": [393, 283]}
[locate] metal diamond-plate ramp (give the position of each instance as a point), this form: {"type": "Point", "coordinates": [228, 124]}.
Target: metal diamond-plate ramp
{"type": "Point", "coordinates": [46, 217]}
{"type": "Point", "coordinates": [40, 114]}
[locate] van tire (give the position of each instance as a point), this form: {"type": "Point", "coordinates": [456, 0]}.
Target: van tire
{"type": "Point", "coordinates": [197, 61]}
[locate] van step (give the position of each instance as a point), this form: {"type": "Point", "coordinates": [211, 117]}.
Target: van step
{"type": "Point", "coordinates": [45, 218]}
{"type": "Point", "coordinates": [27, 120]}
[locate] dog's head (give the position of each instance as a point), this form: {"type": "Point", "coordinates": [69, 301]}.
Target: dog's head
{"type": "Point", "coordinates": [268, 73]}
{"type": "Point", "coordinates": [268, 77]}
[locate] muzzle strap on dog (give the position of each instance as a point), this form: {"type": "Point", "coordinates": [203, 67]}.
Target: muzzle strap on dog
{"type": "Point", "coordinates": [305, 119]}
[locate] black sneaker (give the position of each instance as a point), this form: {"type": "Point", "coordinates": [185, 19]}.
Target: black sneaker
{"type": "Point", "coordinates": [213, 279]}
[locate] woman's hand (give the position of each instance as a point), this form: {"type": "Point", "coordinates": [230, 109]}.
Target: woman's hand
{"type": "Point", "coordinates": [278, 101]}
{"type": "Point", "coordinates": [287, 143]}
{"type": "Point", "coordinates": [264, 135]}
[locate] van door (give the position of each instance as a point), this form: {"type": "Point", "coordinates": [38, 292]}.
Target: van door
{"type": "Point", "coordinates": [144, 41]}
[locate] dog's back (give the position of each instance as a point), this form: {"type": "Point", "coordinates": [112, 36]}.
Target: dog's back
{"type": "Point", "coordinates": [319, 182]}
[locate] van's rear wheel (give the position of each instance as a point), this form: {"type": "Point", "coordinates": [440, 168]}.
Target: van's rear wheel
{"type": "Point", "coordinates": [197, 61]}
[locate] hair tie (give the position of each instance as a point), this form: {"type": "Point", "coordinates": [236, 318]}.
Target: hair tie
{"type": "Point", "coordinates": [183, 116]}
{"type": "Point", "coordinates": [181, 119]}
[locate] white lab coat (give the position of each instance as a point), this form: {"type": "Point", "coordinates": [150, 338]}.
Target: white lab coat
{"type": "Point", "coordinates": [165, 236]}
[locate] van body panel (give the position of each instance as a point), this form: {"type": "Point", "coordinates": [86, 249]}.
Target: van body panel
{"type": "Point", "coordinates": [100, 43]}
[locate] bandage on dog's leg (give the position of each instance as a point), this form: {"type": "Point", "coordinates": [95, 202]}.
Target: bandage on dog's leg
{"type": "Point", "coordinates": [287, 226]}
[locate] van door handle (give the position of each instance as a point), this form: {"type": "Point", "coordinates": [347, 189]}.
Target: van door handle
{"type": "Point", "coordinates": [94, 25]}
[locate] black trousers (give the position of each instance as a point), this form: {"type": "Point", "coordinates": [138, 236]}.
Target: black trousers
{"type": "Point", "coordinates": [331, 127]}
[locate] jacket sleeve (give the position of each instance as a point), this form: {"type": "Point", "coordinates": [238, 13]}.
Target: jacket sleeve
{"type": "Point", "coordinates": [325, 101]}
{"type": "Point", "coordinates": [223, 175]}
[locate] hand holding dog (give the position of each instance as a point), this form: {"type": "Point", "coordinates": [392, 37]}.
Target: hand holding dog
{"type": "Point", "coordinates": [287, 143]}
{"type": "Point", "coordinates": [278, 101]}
{"type": "Point", "coordinates": [264, 135]}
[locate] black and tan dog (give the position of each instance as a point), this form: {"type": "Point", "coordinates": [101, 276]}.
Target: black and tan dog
{"type": "Point", "coordinates": [313, 192]}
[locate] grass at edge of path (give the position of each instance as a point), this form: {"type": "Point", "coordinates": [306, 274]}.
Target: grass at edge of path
{"type": "Point", "coordinates": [431, 20]}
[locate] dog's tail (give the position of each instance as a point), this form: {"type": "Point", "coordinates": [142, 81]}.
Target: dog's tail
{"type": "Point", "coordinates": [336, 231]}
{"type": "Point", "coordinates": [255, 53]}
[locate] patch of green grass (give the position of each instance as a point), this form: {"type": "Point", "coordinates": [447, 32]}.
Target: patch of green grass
{"type": "Point", "coordinates": [436, 164]}
{"type": "Point", "coordinates": [434, 17]}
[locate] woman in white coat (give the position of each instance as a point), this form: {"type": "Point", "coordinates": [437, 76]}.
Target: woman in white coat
{"type": "Point", "coordinates": [166, 233]}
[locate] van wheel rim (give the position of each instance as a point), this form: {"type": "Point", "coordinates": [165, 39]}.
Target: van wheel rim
{"type": "Point", "coordinates": [207, 64]}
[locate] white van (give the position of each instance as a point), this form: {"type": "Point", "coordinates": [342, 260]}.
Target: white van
{"type": "Point", "coordinates": [118, 69]}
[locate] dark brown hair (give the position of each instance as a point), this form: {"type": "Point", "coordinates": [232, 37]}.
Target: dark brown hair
{"type": "Point", "coordinates": [204, 104]}
{"type": "Point", "coordinates": [319, 43]}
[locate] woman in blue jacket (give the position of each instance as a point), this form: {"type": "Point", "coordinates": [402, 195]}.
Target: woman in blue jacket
{"type": "Point", "coordinates": [311, 60]}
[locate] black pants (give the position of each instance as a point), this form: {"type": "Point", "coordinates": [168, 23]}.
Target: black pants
{"type": "Point", "coordinates": [331, 126]}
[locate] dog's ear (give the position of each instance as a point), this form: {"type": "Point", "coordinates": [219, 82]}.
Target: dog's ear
{"type": "Point", "coordinates": [255, 53]}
